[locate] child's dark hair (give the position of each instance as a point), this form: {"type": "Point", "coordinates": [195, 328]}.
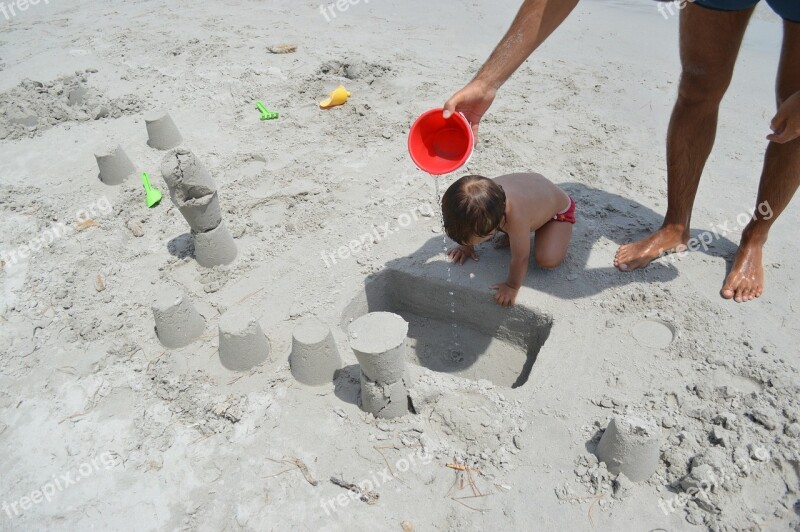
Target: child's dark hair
{"type": "Point", "coordinates": [472, 206]}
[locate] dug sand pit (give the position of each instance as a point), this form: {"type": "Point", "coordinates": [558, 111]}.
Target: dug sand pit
{"type": "Point", "coordinates": [454, 329]}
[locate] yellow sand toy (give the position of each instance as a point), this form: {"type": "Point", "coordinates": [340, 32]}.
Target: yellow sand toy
{"type": "Point", "coordinates": [337, 97]}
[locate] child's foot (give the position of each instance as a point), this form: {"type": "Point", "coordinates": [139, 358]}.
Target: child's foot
{"type": "Point", "coordinates": [746, 280]}
{"type": "Point", "coordinates": [641, 253]}
{"type": "Point", "coordinates": [501, 242]}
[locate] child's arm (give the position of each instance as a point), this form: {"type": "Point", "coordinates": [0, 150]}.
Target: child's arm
{"type": "Point", "coordinates": [520, 241]}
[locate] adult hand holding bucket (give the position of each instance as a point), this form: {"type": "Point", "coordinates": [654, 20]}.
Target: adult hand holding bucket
{"type": "Point", "coordinates": [472, 101]}
{"type": "Point", "coordinates": [440, 145]}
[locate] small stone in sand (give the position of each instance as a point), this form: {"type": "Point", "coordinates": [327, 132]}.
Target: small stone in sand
{"type": "Point", "coordinates": [135, 229]}
{"type": "Point", "coordinates": [283, 48]}
{"type": "Point", "coordinates": [86, 224]}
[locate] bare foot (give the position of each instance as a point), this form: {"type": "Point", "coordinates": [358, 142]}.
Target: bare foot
{"type": "Point", "coordinates": [746, 280]}
{"type": "Point", "coordinates": [501, 242]}
{"type": "Point", "coordinates": [641, 253]}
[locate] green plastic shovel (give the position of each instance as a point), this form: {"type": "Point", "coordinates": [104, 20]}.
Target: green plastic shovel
{"type": "Point", "coordinates": [266, 114]}
{"type": "Point", "coordinates": [152, 195]}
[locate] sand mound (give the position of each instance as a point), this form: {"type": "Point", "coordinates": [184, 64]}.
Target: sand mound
{"type": "Point", "coordinates": [35, 106]}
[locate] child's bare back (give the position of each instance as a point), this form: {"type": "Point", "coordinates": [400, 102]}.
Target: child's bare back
{"type": "Point", "coordinates": [475, 208]}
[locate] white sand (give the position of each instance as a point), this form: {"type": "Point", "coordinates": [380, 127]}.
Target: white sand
{"type": "Point", "coordinates": [169, 439]}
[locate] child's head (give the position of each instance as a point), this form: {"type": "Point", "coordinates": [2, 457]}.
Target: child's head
{"type": "Point", "coordinates": [473, 208]}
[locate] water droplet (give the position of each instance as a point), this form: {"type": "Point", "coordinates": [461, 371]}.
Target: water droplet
{"type": "Point", "coordinates": [445, 250]}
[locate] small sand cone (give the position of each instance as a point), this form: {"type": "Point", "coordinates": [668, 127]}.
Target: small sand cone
{"type": "Point", "coordinates": [215, 247]}
{"type": "Point", "coordinates": [114, 164]}
{"type": "Point", "coordinates": [202, 214]}
{"type": "Point", "coordinates": [177, 321]}
{"type": "Point", "coordinates": [161, 131]}
{"type": "Point", "coordinates": [378, 341]}
{"type": "Point", "coordinates": [314, 357]}
{"type": "Point", "coordinates": [631, 446]}
{"type": "Point", "coordinates": [242, 343]}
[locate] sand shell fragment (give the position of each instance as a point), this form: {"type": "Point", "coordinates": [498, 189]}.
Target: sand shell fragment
{"type": "Point", "coordinates": [283, 48]}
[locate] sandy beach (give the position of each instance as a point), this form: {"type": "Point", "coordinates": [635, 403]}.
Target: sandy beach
{"type": "Point", "coordinates": [102, 426]}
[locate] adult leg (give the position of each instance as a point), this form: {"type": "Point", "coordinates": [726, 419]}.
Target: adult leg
{"type": "Point", "coordinates": [780, 178]}
{"type": "Point", "coordinates": [551, 242]}
{"type": "Point", "coordinates": [709, 44]}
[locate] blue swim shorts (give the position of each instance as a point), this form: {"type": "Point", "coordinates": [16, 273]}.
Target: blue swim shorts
{"type": "Point", "coordinates": [788, 9]}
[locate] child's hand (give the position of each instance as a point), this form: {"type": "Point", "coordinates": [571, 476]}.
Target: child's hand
{"type": "Point", "coordinates": [786, 124]}
{"type": "Point", "coordinates": [462, 253]}
{"type": "Point", "coordinates": [505, 295]}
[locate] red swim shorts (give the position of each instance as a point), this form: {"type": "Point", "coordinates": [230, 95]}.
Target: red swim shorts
{"type": "Point", "coordinates": [567, 215]}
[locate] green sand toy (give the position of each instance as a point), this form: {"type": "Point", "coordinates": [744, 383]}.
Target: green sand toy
{"type": "Point", "coordinates": [266, 114]}
{"type": "Point", "coordinates": [152, 195]}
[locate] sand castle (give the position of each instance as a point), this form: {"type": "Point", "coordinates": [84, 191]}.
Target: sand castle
{"type": "Point", "coordinates": [114, 165]}
{"type": "Point", "coordinates": [161, 131]}
{"type": "Point", "coordinates": [378, 341]}
{"type": "Point", "coordinates": [194, 192]}
{"type": "Point", "coordinates": [631, 446]}
{"type": "Point", "coordinates": [314, 358]}
{"type": "Point", "coordinates": [242, 343]}
{"type": "Point", "coordinates": [177, 321]}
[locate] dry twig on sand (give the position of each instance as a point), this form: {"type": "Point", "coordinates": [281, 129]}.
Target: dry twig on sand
{"type": "Point", "coordinates": [297, 463]}
{"type": "Point", "coordinates": [464, 478]}
{"type": "Point", "coordinates": [594, 498]}
{"type": "Point", "coordinates": [369, 497]}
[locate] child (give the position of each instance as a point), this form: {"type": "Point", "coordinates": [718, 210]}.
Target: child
{"type": "Point", "coordinates": [475, 208]}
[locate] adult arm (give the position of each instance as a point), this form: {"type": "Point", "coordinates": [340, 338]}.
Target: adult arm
{"type": "Point", "coordinates": [535, 21]}
{"type": "Point", "coordinates": [786, 123]}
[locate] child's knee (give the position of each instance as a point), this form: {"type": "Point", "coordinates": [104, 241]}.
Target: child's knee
{"type": "Point", "coordinates": [548, 261]}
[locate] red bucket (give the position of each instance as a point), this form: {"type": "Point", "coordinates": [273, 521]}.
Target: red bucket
{"type": "Point", "coordinates": [438, 145]}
